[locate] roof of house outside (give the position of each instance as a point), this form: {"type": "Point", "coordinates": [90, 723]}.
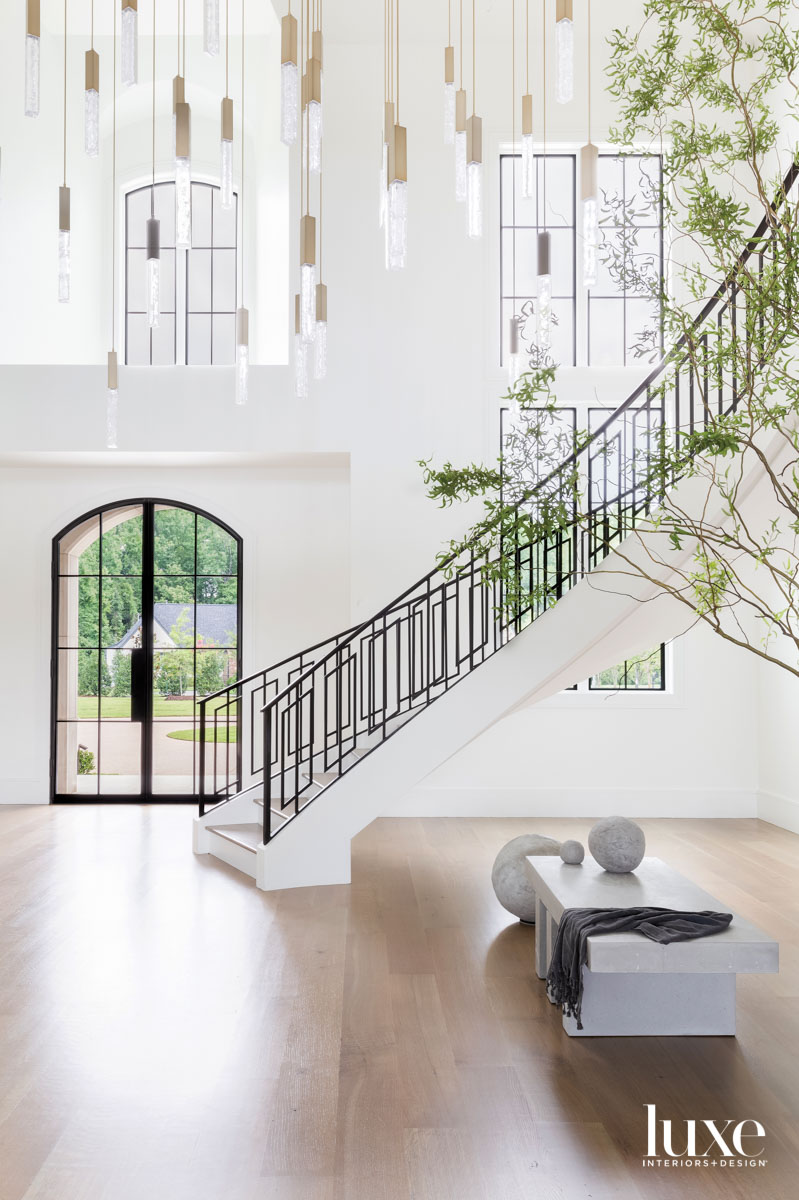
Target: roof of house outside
{"type": "Point", "coordinates": [216, 623]}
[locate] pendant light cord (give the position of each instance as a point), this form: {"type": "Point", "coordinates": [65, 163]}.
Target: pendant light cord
{"type": "Point", "coordinates": [397, 53]}
{"type": "Point", "coordinates": [114, 194]}
{"type": "Point", "coordinates": [589, 71]}
{"type": "Point", "coordinates": [461, 38]}
{"type": "Point", "coordinates": [474, 59]}
{"type": "Point", "coordinates": [152, 190]}
{"type": "Point", "coordinates": [65, 93]}
{"type": "Point", "coordinates": [544, 43]}
{"type": "Point", "coordinates": [227, 46]}
{"type": "Point", "coordinates": [92, 41]}
{"type": "Point", "coordinates": [242, 150]}
{"type": "Point", "coordinates": [184, 37]}
{"type": "Point", "coordinates": [177, 4]}
{"type": "Point", "coordinates": [513, 146]}
{"type": "Point", "coordinates": [527, 47]}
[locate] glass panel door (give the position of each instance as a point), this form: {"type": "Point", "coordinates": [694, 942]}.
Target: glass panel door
{"type": "Point", "coordinates": [146, 624]}
{"type": "Point", "coordinates": [98, 742]}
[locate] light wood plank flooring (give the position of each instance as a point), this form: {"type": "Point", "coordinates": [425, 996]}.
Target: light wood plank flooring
{"type": "Point", "coordinates": [166, 1030]}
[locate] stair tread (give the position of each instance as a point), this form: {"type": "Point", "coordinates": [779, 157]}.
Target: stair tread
{"type": "Point", "coordinates": [249, 835]}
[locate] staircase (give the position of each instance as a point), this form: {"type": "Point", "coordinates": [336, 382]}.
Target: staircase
{"type": "Point", "coordinates": [326, 738]}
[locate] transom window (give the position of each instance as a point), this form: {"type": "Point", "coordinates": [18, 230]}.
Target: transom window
{"type": "Point", "coordinates": [197, 325]}
{"type": "Point", "coordinates": [617, 322]}
{"type": "Point", "coordinates": [552, 208]}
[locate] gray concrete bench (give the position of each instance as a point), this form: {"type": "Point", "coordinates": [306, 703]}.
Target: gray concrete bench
{"type": "Point", "coordinates": [634, 987]}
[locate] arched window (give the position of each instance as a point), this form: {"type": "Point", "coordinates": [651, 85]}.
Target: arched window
{"type": "Point", "coordinates": [198, 286]}
{"type": "Point", "coordinates": [146, 621]}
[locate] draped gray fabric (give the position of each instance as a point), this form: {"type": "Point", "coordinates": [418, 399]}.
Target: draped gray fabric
{"type": "Point", "coordinates": [577, 925]}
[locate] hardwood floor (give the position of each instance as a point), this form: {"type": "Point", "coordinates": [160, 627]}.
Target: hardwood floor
{"type": "Point", "coordinates": [168, 1031]}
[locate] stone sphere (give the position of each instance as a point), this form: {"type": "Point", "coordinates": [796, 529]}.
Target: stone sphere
{"type": "Point", "coordinates": [572, 852]}
{"type": "Point", "coordinates": [617, 844]}
{"type": "Point", "coordinates": [512, 876]}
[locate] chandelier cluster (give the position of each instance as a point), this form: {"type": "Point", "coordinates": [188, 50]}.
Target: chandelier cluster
{"type": "Point", "coordinates": [125, 68]}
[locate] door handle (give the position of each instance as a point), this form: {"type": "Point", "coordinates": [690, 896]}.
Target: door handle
{"type": "Point", "coordinates": [138, 685]}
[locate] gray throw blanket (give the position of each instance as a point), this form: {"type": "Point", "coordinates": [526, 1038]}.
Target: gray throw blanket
{"type": "Point", "coordinates": [577, 925]}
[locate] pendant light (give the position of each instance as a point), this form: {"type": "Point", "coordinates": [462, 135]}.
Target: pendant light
{"type": "Point", "coordinates": [514, 348]}
{"type": "Point", "coordinates": [528, 148]}
{"type": "Point", "coordinates": [130, 42]}
{"type": "Point", "coordinates": [182, 154]}
{"type": "Point", "coordinates": [460, 126]}
{"type": "Point", "coordinates": [32, 37]}
{"type": "Point", "coordinates": [91, 100]}
{"type": "Point", "coordinates": [153, 231]}
{"type": "Point", "coordinates": [211, 27]}
{"type": "Point", "coordinates": [388, 122]}
{"type": "Point", "coordinates": [112, 377]}
{"type": "Point", "coordinates": [589, 161]}
{"type": "Point", "coordinates": [242, 314]}
{"type": "Point", "coordinates": [564, 40]}
{"type": "Point", "coordinates": [226, 140]}
{"type": "Point", "coordinates": [300, 354]}
{"type": "Point", "coordinates": [307, 222]}
{"type": "Point", "coordinates": [397, 215]}
{"type": "Point", "coordinates": [289, 84]}
{"type": "Point", "coordinates": [449, 82]}
{"type": "Point", "coordinates": [320, 338]}
{"type": "Point", "coordinates": [64, 235]}
{"type": "Point", "coordinates": [474, 150]}
{"type": "Point", "coordinates": [315, 86]}
{"type": "Point", "coordinates": [544, 268]}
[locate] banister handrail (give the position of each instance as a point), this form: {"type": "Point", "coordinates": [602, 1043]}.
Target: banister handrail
{"type": "Point", "coordinates": [667, 360]}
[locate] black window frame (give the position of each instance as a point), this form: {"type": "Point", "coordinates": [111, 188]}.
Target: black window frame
{"type": "Point", "coordinates": [623, 298]}
{"type": "Point", "coordinates": [186, 312]}
{"type": "Point", "coordinates": [538, 228]}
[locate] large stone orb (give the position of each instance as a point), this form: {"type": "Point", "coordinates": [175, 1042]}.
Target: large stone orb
{"type": "Point", "coordinates": [617, 844]}
{"type": "Point", "coordinates": [512, 876]}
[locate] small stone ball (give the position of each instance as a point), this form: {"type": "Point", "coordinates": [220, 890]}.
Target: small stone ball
{"type": "Point", "coordinates": [617, 844]}
{"type": "Point", "coordinates": [572, 852]}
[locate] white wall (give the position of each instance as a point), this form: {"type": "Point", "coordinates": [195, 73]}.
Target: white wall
{"type": "Point", "coordinates": [293, 596]}
{"type": "Point", "coordinates": [779, 746]}
{"type": "Point", "coordinates": [413, 372]}
{"type": "Point", "coordinates": [692, 751]}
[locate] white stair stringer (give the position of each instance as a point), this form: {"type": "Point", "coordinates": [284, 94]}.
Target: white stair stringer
{"type": "Point", "coordinates": [611, 614]}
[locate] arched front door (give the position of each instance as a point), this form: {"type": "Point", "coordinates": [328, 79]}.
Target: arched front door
{"type": "Point", "coordinates": [146, 621]}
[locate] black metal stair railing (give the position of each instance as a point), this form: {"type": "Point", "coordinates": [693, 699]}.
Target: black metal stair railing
{"type": "Point", "coordinates": [356, 691]}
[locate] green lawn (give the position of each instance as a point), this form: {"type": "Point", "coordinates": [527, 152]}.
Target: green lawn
{"type": "Point", "coordinates": [119, 706]}
{"type": "Point", "coordinates": [223, 734]}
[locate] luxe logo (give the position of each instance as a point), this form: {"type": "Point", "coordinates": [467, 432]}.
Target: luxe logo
{"type": "Point", "coordinates": [717, 1140]}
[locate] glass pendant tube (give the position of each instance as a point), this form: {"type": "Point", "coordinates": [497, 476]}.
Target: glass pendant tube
{"type": "Point", "coordinates": [211, 27]}
{"type": "Point", "coordinates": [544, 293]}
{"type": "Point", "coordinates": [308, 278]}
{"type": "Point", "coordinates": [112, 402]}
{"type": "Point", "coordinates": [589, 156]}
{"type": "Point", "coordinates": [130, 42]}
{"type": "Point", "coordinates": [397, 224]}
{"type": "Point", "coordinates": [449, 95]}
{"type": "Point", "coordinates": [242, 355]}
{"type": "Point", "coordinates": [289, 81]}
{"type": "Point", "coordinates": [528, 149]}
{"type": "Point", "coordinates": [474, 177]}
{"type": "Point", "coordinates": [514, 351]}
{"type": "Point", "coordinates": [320, 341]}
{"type": "Point", "coordinates": [153, 271]}
{"type": "Point", "coordinates": [64, 264]}
{"type": "Point", "coordinates": [182, 176]}
{"type": "Point", "coordinates": [91, 105]}
{"type": "Point", "coordinates": [460, 146]}
{"type": "Point", "coordinates": [314, 114]}
{"type": "Point", "coordinates": [300, 354]}
{"type": "Point", "coordinates": [226, 155]}
{"type": "Point", "coordinates": [564, 51]}
{"type": "Point", "coordinates": [32, 34]}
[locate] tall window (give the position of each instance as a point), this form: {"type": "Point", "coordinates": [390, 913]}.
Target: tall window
{"type": "Point", "coordinates": [617, 323]}
{"type": "Point", "coordinates": [198, 287]}
{"type": "Point", "coordinates": [624, 323]}
{"type": "Point", "coordinates": [552, 208]}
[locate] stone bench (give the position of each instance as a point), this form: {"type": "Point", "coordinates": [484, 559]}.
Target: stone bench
{"type": "Point", "coordinates": [634, 987]}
